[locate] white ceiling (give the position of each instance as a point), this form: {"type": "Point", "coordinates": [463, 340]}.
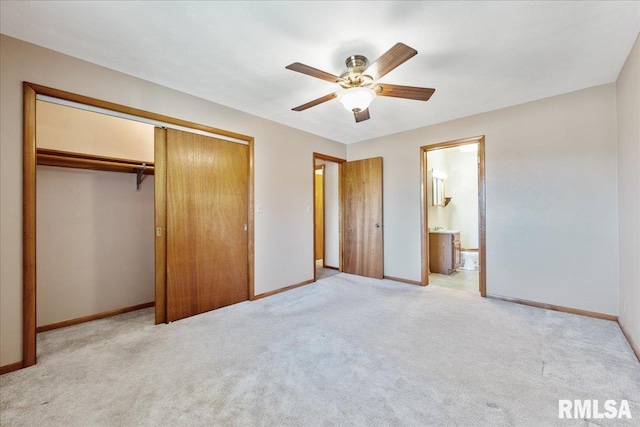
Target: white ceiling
{"type": "Point", "coordinates": [478, 55]}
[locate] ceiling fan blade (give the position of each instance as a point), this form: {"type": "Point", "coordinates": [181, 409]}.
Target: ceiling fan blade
{"type": "Point", "coordinates": [408, 92]}
{"type": "Point", "coordinates": [315, 102]}
{"type": "Point", "coordinates": [313, 72]}
{"type": "Point", "coordinates": [361, 116]}
{"type": "Point", "coordinates": [389, 60]}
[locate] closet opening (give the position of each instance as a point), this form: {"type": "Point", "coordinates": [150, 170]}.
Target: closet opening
{"type": "Point", "coordinates": [95, 216]}
{"type": "Point", "coordinates": [68, 171]}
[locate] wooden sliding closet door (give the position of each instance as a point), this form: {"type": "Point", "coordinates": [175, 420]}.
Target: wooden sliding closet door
{"type": "Point", "coordinates": [207, 194]}
{"type": "Point", "coordinates": [362, 250]}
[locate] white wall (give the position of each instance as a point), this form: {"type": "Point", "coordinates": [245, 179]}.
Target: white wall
{"type": "Point", "coordinates": [628, 105]}
{"type": "Point", "coordinates": [331, 216]}
{"type": "Point", "coordinates": [283, 184]}
{"type": "Point", "coordinates": [95, 243]}
{"type": "Point", "coordinates": [437, 215]}
{"type": "Point", "coordinates": [462, 186]}
{"type": "Point", "coordinates": [64, 128]}
{"type": "Point", "coordinates": [551, 198]}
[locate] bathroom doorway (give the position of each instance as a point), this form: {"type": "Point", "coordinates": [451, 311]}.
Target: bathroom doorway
{"type": "Point", "coordinates": [453, 213]}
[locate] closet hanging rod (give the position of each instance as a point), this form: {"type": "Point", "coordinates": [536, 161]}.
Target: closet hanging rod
{"type": "Point", "coordinates": [48, 157]}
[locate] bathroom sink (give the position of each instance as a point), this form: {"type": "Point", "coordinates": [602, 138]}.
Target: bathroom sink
{"type": "Point", "coordinates": [446, 231]}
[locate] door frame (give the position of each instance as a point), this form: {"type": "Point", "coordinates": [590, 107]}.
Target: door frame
{"type": "Point", "coordinates": [318, 168]}
{"type": "Point", "coordinates": [29, 162]}
{"type": "Point", "coordinates": [424, 209]}
{"type": "Point", "coordinates": [339, 161]}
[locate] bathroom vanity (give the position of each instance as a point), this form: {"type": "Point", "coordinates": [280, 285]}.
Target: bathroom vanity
{"type": "Point", "coordinates": [444, 251]}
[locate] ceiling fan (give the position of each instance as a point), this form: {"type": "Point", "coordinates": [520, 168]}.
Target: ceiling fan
{"type": "Point", "coordinates": [360, 81]}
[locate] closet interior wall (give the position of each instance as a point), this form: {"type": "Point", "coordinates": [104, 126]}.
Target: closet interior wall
{"type": "Point", "coordinates": [95, 232]}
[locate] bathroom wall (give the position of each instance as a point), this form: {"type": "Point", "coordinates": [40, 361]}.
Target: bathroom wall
{"type": "Point", "coordinates": [437, 215]}
{"type": "Point", "coordinates": [462, 186]}
{"type": "Point", "coordinates": [628, 106]}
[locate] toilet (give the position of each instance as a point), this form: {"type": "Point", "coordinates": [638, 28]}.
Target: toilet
{"type": "Point", "coordinates": [469, 259]}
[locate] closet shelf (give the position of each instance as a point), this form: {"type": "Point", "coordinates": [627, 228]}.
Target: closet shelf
{"type": "Point", "coordinates": [67, 159]}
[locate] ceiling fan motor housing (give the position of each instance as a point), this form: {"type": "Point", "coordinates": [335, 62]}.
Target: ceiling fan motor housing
{"type": "Point", "coordinates": [353, 77]}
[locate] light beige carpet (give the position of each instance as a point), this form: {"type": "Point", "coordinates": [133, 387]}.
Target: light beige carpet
{"type": "Point", "coordinates": [345, 351]}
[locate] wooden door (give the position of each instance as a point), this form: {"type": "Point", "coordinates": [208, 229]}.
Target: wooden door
{"type": "Point", "coordinates": [207, 193]}
{"type": "Point", "coordinates": [319, 212]}
{"type": "Point", "coordinates": [362, 252]}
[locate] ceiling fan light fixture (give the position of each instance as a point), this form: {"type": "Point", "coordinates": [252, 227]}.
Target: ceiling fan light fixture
{"type": "Point", "coordinates": [356, 98]}
{"type": "Point", "coordinates": [358, 82]}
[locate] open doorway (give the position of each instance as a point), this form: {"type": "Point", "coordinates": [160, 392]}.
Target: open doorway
{"type": "Point", "coordinates": [326, 222]}
{"type": "Point", "coordinates": [453, 209]}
